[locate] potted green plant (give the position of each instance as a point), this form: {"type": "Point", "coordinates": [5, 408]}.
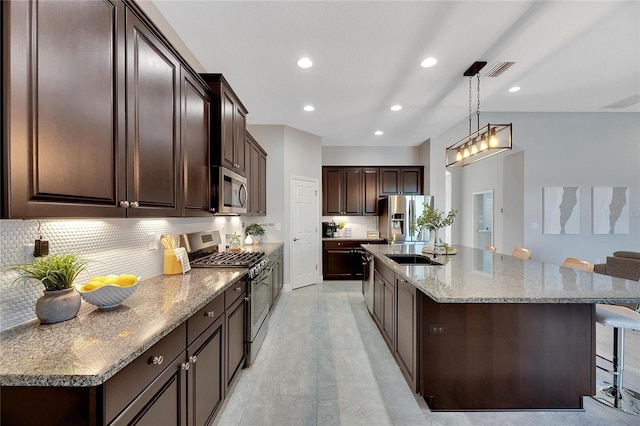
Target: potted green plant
{"type": "Point", "coordinates": [254, 232]}
{"type": "Point", "coordinates": [433, 219]}
{"type": "Point", "coordinates": [56, 272]}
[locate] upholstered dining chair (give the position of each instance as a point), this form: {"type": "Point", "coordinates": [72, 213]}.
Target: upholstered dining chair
{"type": "Point", "coordinates": [521, 252]}
{"type": "Point", "coordinates": [614, 394]}
{"type": "Point", "coordinates": [490, 248]}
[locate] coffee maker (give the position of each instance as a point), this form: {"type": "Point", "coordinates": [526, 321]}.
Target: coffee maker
{"type": "Point", "coordinates": [328, 229]}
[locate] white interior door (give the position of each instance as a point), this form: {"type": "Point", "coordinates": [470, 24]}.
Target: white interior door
{"type": "Point", "coordinates": [305, 243]}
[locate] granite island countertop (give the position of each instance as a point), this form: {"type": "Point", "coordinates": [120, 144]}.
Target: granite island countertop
{"type": "Point", "coordinates": [92, 347]}
{"type": "Point", "coordinates": [479, 276]}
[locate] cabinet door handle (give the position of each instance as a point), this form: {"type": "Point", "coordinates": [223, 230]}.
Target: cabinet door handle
{"type": "Point", "coordinates": [210, 314]}
{"type": "Point", "coordinates": [124, 203]}
{"type": "Point", "coordinates": [193, 359]}
{"type": "Point", "coordinates": [135, 204]}
{"type": "Point", "coordinates": [157, 360]}
{"type": "Point", "coordinates": [238, 288]}
{"type": "Point", "coordinates": [185, 366]}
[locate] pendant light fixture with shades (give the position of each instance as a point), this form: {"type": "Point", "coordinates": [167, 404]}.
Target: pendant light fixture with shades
{"type": "Point", "coordinates": [482, 143]}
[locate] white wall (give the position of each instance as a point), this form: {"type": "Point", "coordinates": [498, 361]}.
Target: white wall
{"type": "Point", "coordinates": [291, 152]}
{"type": "Point", "coordinates": [560, 149]}
{"type": "Point", "coordinates": [370, 156]}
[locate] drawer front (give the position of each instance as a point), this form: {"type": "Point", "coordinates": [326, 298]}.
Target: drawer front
{"type": "Point", "coordinates": [234, 292]}
{"type": "Point", "coordinates": [122, 388]}
{"type": "Point", "coordinates": [341, 244]}
{"type": "Point", "coordinates": [384, 270]}
{"type": "Point", "coordinates": [204, 318]}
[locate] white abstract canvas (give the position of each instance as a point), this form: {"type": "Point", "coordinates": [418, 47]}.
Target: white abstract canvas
{"type": "Point", "coordinates": [561, 209]}
{"type": "Point", "coordinates": [610, 208]}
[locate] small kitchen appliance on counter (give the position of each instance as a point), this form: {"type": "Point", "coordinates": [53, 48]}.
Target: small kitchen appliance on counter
{"type": "Point", "coordinates": [328, 229]}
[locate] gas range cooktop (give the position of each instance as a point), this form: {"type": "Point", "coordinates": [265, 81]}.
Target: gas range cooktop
{"type": "Point", "coordinates": [241, 259]}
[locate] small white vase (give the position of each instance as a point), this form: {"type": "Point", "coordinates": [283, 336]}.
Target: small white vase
{"type": "Point", "coordinates": [248, 240]}
{"type": "Point", "coordinates": [433, 235]}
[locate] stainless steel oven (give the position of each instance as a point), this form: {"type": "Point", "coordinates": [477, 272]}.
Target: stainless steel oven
{"type": "Point", "coordinates": [229, 194]}
{"type": "Point", "coordinates": [260, 303]}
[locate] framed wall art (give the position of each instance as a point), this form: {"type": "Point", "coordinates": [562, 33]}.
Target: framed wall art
{"type": "Point", "coordinates": [561, 210]}
{"type": "Point", "coordinates": [610, 209]}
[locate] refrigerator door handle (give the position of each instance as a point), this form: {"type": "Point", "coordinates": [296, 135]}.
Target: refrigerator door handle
{"type": "Point", "coordinates": [412, 219]}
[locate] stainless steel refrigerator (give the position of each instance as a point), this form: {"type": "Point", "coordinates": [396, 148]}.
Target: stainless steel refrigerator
{"type": "Point", "coordinates": [398, 213]}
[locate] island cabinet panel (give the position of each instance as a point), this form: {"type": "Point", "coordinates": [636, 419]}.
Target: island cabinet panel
{"type": "Point", "coordinates": [406, 330]}
{"type": "Point", "coordinates": [64, 142]}
{"type": "Point", "coordinates": [389, 314]}
{"type": "Point", "coordinates": [506, 356]}
{"type": "Point", "coordinates": [153, 110]}
{"type": "Point", "coordinates": [195, 106]}
{"type": "Point", "coordinates": [378, 298]}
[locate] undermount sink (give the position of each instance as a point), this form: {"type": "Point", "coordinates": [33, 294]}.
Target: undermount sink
{"type": "Point", "coordinates": [412, 259]}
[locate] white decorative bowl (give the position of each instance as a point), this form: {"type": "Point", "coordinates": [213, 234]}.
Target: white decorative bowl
{"type": "Point", "coordinates": [109, 296]}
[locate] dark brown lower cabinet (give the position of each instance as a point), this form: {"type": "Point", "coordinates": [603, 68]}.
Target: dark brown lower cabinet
{"type": "Point", "coordinates": [206, 374]}
{"type": "Point", "coordinates": [342, 259]}
{"type": "Point", "coordinates": [389, 315]}
{"type": "Point", "coordinates": [236, 324]}
{"type": "Point", "coordinates": [162, 402]}
{"type": "Point", "coordinates": [406, 330]}
{"type": "Point", "coordinates": [378, 298]}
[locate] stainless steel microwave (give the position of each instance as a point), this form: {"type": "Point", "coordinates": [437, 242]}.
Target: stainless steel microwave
{"type": "Point", "coordinates": [229, 193]}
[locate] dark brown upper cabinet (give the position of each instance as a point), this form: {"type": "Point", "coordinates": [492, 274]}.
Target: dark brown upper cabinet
{"type": "Point", "coordinates": [257, 178]}
{"type": "Point", "coordinates": [349, 191]}
{"type": "Point", "coordinates": [195, 111]}
{"type": "Point", "coordinates": [153, 123]}
{"type": "Point", "coordinates": [95, 115]}
{"type": "Point", "coordinates": [228, 125]}
{"type": "Point", "coordinates": [64, 134]}
{"type": "Point", "coordinates": [401, 180]}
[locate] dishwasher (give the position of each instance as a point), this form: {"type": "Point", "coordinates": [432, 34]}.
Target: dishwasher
{"type": "Point", "coordinates": [367, 280]}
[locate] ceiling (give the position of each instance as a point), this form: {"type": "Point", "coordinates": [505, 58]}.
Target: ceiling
{"type": "Point", "coordinates": [573, 56]}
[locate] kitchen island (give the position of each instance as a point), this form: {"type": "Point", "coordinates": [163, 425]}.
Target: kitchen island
{"type": "Point", "coordinates": [494, 332]}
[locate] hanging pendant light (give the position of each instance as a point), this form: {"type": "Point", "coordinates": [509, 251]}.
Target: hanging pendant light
{"type": "Point", "coordinates": [466, 151]}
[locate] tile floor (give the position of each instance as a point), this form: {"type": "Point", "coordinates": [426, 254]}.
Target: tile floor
{"type": "Point", "coordinates": [325, 363]}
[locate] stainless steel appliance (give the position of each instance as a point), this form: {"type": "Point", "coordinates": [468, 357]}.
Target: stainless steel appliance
{"type": "Point", "coordinates": [398, 214]}
{"type": "Point", "coordinates": [367, 280]}
{"type": "Point", "coordinates": [202, 250]}
{"type": "Point", "coordinates": [229, 194]}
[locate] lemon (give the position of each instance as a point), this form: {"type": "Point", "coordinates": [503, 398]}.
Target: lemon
{"type": "Point", "coordinates": [126, 280]}
{"type": "Point", "coordinates": [98, 278]}
{"type": "Point", "coordinates": [110, 279]}
{"type": "Point", "coordinates": [92, 285]}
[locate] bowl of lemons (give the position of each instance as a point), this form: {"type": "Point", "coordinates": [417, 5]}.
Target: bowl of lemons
{"type": "Point", "coordinates": [108, 292]}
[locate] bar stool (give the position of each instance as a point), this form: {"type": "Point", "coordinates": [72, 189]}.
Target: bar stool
{"type": "Point", "coordinates": [616, 395]}
{"type": "Point", "coordinates": [521, 253]}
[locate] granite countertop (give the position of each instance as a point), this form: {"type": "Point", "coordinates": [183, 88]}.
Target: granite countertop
{"type": "Point", "coordinates": [94, 346]}
{"type": "Point", "coordinates": [479, 276]}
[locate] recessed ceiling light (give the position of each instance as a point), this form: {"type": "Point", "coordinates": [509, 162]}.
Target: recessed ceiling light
{"type": "Point", "coordinates": [378, 133]}
{"type": "Point", "coordinates": [428, 62]}
{"type": "Point", "coordinates": [305, 63]}
{"type": "Point", "coordinates": [514, 89]}
{"type": "Point", "coordinates": [396, 108]}
{"type": "Point", "coordinates": [309, 108]}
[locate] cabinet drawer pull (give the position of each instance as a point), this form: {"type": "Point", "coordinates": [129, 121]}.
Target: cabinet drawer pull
{"type": "Point", "coordinates": [210, 314]}
{"type": "Point", "coordinates": [157, 360]}
{"type": "Point", "coordinates": [193, 359]}
{"type": "Point", "coordinates": [238, 289]}
{"type": "Point", "coordinates": [185, 366]}
{"type": "Point", "coordinates": [124, 204]}
{"type": "Point", "coordinates": [135, 204]}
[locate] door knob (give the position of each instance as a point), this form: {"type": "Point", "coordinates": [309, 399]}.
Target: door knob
{"type": "Point", "coordinates": [296, 239]}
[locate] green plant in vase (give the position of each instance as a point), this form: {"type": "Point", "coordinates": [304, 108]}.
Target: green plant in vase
{"type": "Point", "coordinates": [433, 219]}
{"type": "Point", "coordinates": [254, 233]}
{"type": "Point", "coordinates": [57, 273]}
